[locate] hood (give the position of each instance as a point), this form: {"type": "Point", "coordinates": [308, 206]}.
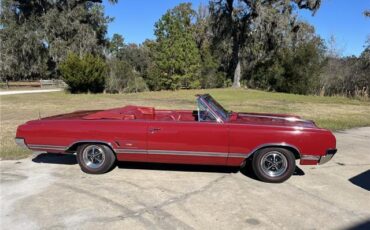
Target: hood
{"type": "Point", "coordinates": [271, 119]}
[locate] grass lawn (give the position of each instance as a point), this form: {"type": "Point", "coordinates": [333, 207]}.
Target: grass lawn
{"type": "Point", "coordinates": [335, 113]}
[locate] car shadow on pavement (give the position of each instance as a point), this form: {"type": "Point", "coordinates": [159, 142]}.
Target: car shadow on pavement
{"type": "Point", "coordinates": [69, 159]}
{"type": "Point", "coordinates": [55, 158]}
{"type": "Point", "coordinates": [177, 167]}
{"type": "Point", "coordinates": [362, 180]}
{"type": "Point", "coordinates": [246, 170]}
{"type": "Point", "coordinates": [362, 226]}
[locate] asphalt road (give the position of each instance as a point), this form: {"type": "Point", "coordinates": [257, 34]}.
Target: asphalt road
{"type": "Point", "coordinates": [50, 192]}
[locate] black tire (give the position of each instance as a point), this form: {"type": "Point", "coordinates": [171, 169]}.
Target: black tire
{"type": "Point", "coordinates": [273, 165]}
{"type": "Point", "coordinates": [100, 163]}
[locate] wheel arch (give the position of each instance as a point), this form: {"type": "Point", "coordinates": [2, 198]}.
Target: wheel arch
{"type": "Point", "coordinates": [289, 147]}
{"type": "Point", "coordinates": [73, 147]}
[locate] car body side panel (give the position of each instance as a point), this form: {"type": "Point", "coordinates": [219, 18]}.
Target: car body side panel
{"type": "Point", "coordinates": [188, 142]}
{"type": "Point", "coordinates": [249, 138]}
{"type": "Point", "coordinates": [59, 135]}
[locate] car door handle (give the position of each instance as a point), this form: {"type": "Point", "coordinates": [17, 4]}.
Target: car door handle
{"type": "Point", "coordinates": [153, 130]}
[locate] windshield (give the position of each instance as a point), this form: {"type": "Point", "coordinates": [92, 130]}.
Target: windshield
{"type": "Point", "coordinates": [215, 107]}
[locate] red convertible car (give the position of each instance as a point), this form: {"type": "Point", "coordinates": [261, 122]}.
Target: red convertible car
{"type": "Point", "coordinates": [209, 135]}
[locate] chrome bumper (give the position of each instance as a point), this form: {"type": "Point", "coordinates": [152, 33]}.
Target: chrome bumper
{"type": "Point", "coordinates": [21, 142]}
{"type": "Point", "coordinates": [329, 154]}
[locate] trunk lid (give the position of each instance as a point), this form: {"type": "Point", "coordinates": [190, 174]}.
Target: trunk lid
{"type": "Point", "coordinates": [71, 116]}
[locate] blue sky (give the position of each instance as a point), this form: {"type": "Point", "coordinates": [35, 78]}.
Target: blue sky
{"type": "Point", "coordinates": [341, 18]}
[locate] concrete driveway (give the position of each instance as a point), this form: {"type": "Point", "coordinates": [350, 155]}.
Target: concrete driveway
{"type": "Point", "coordinates": [50, 192]}
{"type": "Point", "coordinates": [12, 92]}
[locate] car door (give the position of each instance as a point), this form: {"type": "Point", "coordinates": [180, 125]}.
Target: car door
{"type": "Point", "coordinates": [190, 142]}
{"type": "Point", "coordinates": [130, 139]}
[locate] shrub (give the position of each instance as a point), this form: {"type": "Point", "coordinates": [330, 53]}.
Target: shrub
{"type": "Point", "coordinates": [136, 84]}
{"type": "Point", "coordinates": [119, 73]}
{"type": "Point", "coordinates": [123, 78]}
{"type": "Point", "coordinates": [211, 78]}
{"type": "Point", "coordinates": [86, 74]}
{"type": "Point", "coordinates": [291, 71]}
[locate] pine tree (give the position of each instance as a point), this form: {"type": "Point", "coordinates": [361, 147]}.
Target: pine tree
{"type": "Point", "coordinates": [175, 53]}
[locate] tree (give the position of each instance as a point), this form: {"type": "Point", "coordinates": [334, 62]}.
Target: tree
{"type": "Point", "coordinates": [86, 74]}
{"type": "Point", "coordinates": [210, 75]}
{"type": "Point", "coordinates": [175, 54]}
{"type": "Point", "coordinates": [333, 51]}
{"type": "Point", "coordinates": [253, 28]}
{"type": "Point", "coordinates": [22, 50]}
{"type": "Point", "coordinates": [137, 56]}
{"type": "Point", "coordinates": [123, 78]}
{"type": "Point", "coordinates": [292, 70]}
{"type": "Point", "coordinates": [348, 76]}
{"type": "Point", "coordinates": [36, 35]}
{"type": "Point", "coordinates": [116, 44]}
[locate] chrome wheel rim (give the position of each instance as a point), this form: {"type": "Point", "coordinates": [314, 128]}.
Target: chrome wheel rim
{"type": "Point", "coordinates": [274, 164]}
{"type": "Point", "coordinates": [93, 156]}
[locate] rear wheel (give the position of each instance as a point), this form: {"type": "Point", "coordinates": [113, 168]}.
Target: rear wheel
{"type": "Point", "coordinates": [273, 165]}
{"type": "Point", "coordinates": [95, 158]}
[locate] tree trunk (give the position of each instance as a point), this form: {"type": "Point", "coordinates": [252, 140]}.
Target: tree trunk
{"type": "Point", "coordinates": [236, 60]}
{"type": "Point", "coordinates": [236, 82]}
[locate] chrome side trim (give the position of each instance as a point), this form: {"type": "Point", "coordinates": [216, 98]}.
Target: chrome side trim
{"type": "Point", "coordinates": [131, 151]}
{"type": "Point", "coordinates": [239, 155]}
{"type": "Point", "coordinates": [65, 148]}
{"type": "Point", "coordinates": [56, 149]}
{"type": "Point", "coordinates": [182, 153]}
{"type": "Point", "coordinates": [188, 153]}
{"type": "Point", "coordinates": [52, 146]}
{"type": "Point", "coordinates": [47, 147]}
{"type": "Point", "coordinates": [172, 152]}
{"type": "Point", "coordinates": [310, 157]}
{"type": "Point", "coordinates": [211, 154]}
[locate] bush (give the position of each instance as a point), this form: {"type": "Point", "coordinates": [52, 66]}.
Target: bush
{"type": "Point", "coordinates": [291, 71]}
{"type": "Point", "coordinates": [119, 73]}
{"type": "Point", "coordinates": [347, 76]}
{"type": "Point", "coordinates": [123, 78]}
{"type": "Point", "coordinates": [136, 84]}
{"type": "Point", "coordinates": [83, 75]}
{"type": "Point", "coordinates": [211, 78]}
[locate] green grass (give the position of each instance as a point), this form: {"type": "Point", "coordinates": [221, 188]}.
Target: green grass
{"type": "Point", "coordinates": [335, 113]}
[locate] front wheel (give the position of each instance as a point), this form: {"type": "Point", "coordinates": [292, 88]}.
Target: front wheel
{"type": "Point", "coordinates": [273, 165]}
{"type": "Point", "coordinates": [95, 158]}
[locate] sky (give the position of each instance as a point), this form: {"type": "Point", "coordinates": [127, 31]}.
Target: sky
{"type": "Point", "coordinates": [343, 19]}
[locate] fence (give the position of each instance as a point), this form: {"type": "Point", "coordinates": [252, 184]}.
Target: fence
{"type": "Point", "coordinates": [33, 84]}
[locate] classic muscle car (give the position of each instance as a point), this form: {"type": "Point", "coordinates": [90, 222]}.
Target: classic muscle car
{"type": "Point", "coordinates": [209, 135]}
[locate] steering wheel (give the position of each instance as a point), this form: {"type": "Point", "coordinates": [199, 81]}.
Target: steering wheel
{"type": "Point", "coordinates": [205, 115]}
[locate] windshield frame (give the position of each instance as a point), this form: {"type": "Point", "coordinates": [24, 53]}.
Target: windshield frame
{"type": "Point", "coordinates": [221, 114]}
